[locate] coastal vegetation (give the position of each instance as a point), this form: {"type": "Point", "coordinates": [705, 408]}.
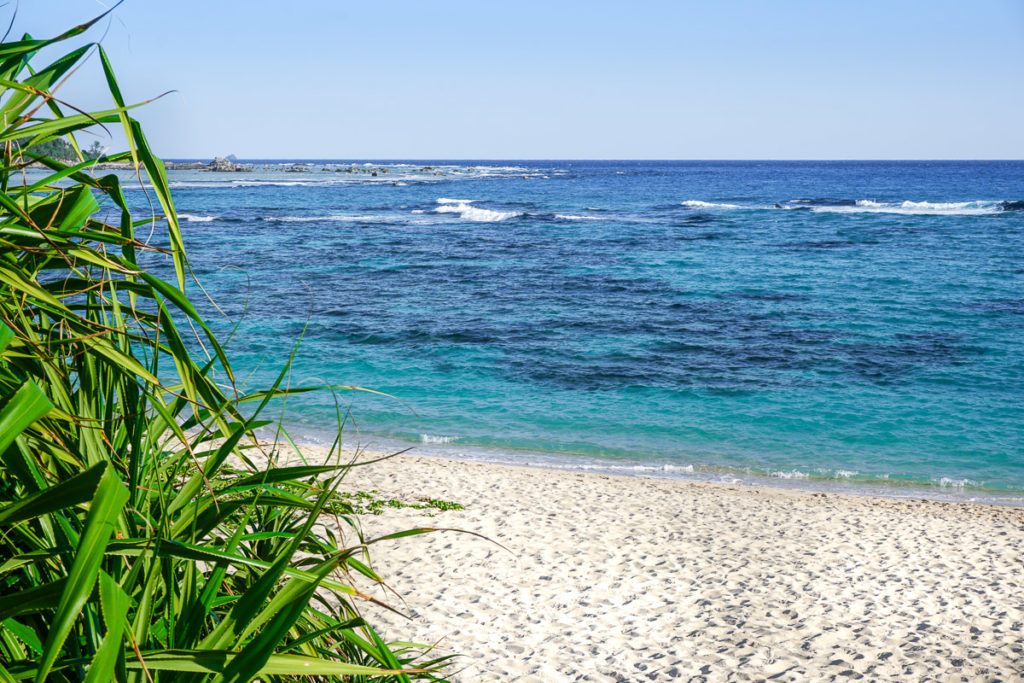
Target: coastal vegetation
{"type": "Point", "coordinates": [145, 534]}
{"type": "Point", "coordinates": [61, 149]}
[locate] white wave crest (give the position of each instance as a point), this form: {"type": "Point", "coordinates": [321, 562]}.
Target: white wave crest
{"type": "Point", "coordinates": [697, 204]}
{"type": "Point", "coordinates": [628, 469]}
{"type": "Point", "coordinates": [794, 474]}
{"type": "Point", "coordinates": [959, 484]}
{"type": "Point", "coordinates": [433, 438]}
{"type": "Point", "coordinates": [192, 218]}
{"type": "Point", "coordinates": [909, 208]}
{"type": "Point", "coordinates": [472, 213]}
{"type": "Point", "coordinates": [570, 217]}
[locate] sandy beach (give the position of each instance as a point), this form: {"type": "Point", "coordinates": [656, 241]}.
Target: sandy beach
{"type": "Point", "coordinates": [633, 579]}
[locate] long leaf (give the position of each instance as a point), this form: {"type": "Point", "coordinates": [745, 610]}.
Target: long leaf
{"type": "Point", "coordinates": [207, 661]}
{"type": "Point", "coordinates": [73, 491]}
{"type": "Point", "coordinates": [99, 527]}
{"type": "Point", "coordinates": [26, 406]}
{"type": "Point", "coordinates": [115, 604]}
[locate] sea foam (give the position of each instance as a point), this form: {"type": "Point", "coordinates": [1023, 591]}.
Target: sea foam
{"type": "Point", "coordinates": [698, 204]}
{"type": "Point", "coordinates": [910, 208]}
{"type": "Point", "coordinates": [193, 218]}
{"type": "Point", "coordinates": [472, 213]}
{"type": "Point", "coordinates": [907, 207]}
{"type": "Point", "coordinates": [434, 438]}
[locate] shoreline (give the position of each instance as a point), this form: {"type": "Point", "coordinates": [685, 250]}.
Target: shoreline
{"type": "Point", "coordinates": [661, 468]}
{"type": "Point", "coordinates": [611, 578]}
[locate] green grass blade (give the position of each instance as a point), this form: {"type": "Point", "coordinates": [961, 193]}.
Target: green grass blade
{"type": "Point", "coordinates": [6, 336]}
{"type": "Point", "coordinates": [73, 491]}
{"type": "Point", "coordinates": [213, 661]}
{"type": "Point", "coordinates": [27, 405]}
{"type": "Point", "coordinates": [46, 596]}
{"type": "Point", "coordinates": [115, 603]}
{"type": "Point", "coordinates": [99, 527]}
{"type": "Point", "coordinates": [281, 612]}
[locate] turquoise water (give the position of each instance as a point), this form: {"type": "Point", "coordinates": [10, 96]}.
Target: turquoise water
{"type": "Point", "coordinates": [858, 322]}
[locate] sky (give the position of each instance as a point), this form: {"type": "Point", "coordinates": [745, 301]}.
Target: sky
{"type": "Point", "coordinates": [559, 79]}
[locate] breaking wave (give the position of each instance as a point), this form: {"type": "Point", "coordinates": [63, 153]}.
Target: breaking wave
{"type": "Point", "coordinates": [434, 438]}
{"type": "Point", "coordinates": [908, 207]}
{"type": "Point", "coordinates": [467, 212]}
{"type": "Point", "coordinates": [193, 218]}
{"type": "Point", "coordinates": [698, 204]}
{"type": "Point", "coordinates": [974, 208]}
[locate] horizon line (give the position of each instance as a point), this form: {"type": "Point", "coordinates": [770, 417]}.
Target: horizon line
{"type": "Point", "coordinates": [386, 159]}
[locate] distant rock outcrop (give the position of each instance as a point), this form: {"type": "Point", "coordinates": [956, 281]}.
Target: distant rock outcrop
{"type": "Point", "coordinates": [222, 165]}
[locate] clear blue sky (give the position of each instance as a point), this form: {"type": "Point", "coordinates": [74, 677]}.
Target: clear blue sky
{"type": "Point", "coordinates": [798, 79]}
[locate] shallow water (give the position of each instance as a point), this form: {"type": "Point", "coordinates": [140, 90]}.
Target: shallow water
{"type": "Point", "coordinates": [822, 321]}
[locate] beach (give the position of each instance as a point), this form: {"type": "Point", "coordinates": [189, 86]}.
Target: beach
{"type": "Point", "coordinates": [606, 578]}
{"type": "Point", "coordinates": [619, 349]}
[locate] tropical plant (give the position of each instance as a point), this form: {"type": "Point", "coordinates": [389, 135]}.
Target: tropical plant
{"type": "Point", "coordinates": [145, 535]}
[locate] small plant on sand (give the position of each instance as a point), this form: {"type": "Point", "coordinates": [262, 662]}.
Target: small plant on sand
{"type": "Point", "coordinates": [144, 534]}
{"type": "Point", "coordinates": [374, 503]}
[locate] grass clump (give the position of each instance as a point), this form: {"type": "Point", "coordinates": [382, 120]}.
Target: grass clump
{"type": "Point", "coordinates": [374, 503]}
{"type": "Point", "coordinates": [145, 535]}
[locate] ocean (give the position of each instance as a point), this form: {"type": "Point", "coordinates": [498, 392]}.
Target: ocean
{"type": "Point", "coordinates": [832, 325]}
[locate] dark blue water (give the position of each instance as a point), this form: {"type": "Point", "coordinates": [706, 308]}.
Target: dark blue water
{"type": "Point", "coordinates": [860, 321]}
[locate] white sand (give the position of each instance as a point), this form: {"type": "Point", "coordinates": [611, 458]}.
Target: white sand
{"type": "Point", "coordinates": [635, 579]}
